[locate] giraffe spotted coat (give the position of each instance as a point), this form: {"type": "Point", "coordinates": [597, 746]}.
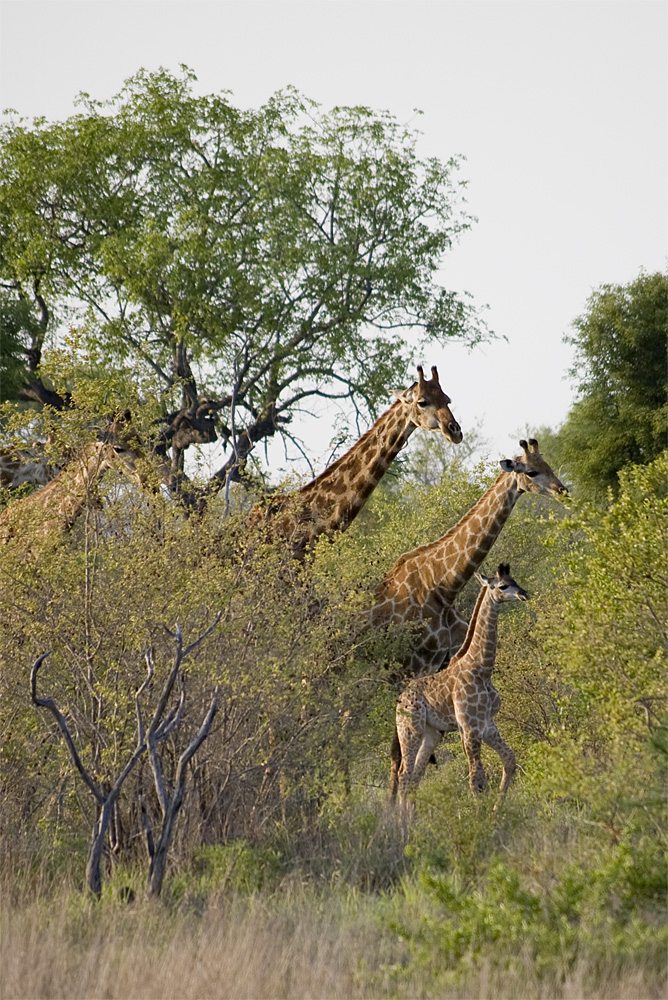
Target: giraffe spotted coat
{"type": "Point", "coordinates": [332, 500]}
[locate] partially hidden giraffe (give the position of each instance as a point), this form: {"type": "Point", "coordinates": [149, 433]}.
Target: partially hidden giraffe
{"type": "Point", "coordinates": [332, 500]}
{"type": "Point", "coordinates": [43, 517]}
{"type": "Point", "coordinates": [460, 698]}
{"type": "Point", "coordinates": [26, 464]}
{"type": "Point", "coordinates": [423, 584]}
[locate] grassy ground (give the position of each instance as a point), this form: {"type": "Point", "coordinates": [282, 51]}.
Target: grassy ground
{"type": "Point", "coordinates": [293, 945]}
{"type": "Point", "coordinates": [527, 902]}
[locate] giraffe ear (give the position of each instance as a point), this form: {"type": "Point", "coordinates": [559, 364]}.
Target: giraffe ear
{"type": "Point", "coordinates": [405, 395]}
{"type": "Point", "coordinates": [482, 580]}
{"type": "Point", "coordinates": [507, 465]}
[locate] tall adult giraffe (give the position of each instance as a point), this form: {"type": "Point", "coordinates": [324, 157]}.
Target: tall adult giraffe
{"type": "Point", "coordinates": [332, 500]}
{"type": "Point", "coordinates": [424, 583]}
{"type": "Point", "coordinates": [44, 516]}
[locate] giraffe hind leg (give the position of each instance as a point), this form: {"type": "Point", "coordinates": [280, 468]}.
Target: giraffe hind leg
{"type": "Point", "coordinates": [430, 740]}
{"type": "Point", "coordinates": [395, 764]}
{"type": "Point", "coordinates": [417, 744]}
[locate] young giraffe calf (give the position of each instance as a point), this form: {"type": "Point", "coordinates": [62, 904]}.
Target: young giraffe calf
{"type": "Point", "coordinates": [461, 697]}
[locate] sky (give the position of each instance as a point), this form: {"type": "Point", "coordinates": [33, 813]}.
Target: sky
{"type": "Point", "coordinates": [559, 106]}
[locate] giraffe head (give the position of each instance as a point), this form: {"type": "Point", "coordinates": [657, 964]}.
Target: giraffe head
{"type": "Point", "coordinates": [119, 448]}
{"type": "Point", "coordinates": [429, 407]}
{"type": "Point", "coordinates": [534, 475]}
{"type": "Point", "coordinates": [501, 586]}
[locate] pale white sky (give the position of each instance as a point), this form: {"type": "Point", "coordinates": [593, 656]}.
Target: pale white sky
{"type": "Point", "coordinates": [559, 106]}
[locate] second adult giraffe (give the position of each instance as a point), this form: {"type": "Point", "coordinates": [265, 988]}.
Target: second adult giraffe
{"type": "Point", "coordinates": [332, 500]}
{"type": "Point", "coordinates": [424, 583]}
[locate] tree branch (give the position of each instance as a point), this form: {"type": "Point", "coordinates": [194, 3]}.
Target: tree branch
{"type": "Point", "coordinates": [50, 704]}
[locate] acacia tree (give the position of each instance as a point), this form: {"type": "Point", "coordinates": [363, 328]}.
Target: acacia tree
{"type": "Point", "coordinates": [241, 261]}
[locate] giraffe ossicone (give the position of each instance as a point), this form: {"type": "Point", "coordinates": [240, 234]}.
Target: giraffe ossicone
{"type": "Point", "coordinates": [460, 698]}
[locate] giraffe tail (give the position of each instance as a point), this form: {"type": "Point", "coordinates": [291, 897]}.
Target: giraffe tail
{"type": "Point", "coordinates": [395, 761]}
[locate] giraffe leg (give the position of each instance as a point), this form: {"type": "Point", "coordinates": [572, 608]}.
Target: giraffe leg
{"type": "Point", "coordinates": [430, 739]}
{"type": "Point", "coordinates": [417, 740]}
{"type": "Point", "coordinates": [406, 783]}
{"type": "Point", "coordinates": [472, 744]}
{"type": "Point", "coordinates": [395, 764]}
{"type": "Point", "coordinates": [494, 739]}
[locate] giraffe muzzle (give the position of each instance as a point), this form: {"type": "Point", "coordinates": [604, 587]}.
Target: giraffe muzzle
{"type": "Point", "coordinates": [454, 432]}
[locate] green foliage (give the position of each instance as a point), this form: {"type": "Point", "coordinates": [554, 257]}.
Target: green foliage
{"type": "Point", "coordinates": [238, 866]}
{"type": "Point", "coordinates": [608, 633]}
{"type": "Point", "coordinates": [507, 923]}
{"type": "Point", "coordinates": [237, 261]}
{"type": "Point", "coordinates": [564, 883]}
{"type": "Point", "coordinates": [290, 657]}
{"type": "Point", "coordinates": [621, 415]}
{"type": "Point", "coordinates": [527, 886]}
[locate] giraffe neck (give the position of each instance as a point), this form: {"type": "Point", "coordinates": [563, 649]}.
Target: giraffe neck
{"type": "Point", "coordinates": [470, 631]}
{"type": "Point", "coordinates": [338, 494]}
{"type": "Point", "coordinates": [62, 499]}
{"type": "Point", "coordinates": [479, 649]}
{"type": "Point", "coordinates": [447, 564]}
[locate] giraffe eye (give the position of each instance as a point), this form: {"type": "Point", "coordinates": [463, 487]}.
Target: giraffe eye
{"type": "Point", "coordinates": [422, 402]}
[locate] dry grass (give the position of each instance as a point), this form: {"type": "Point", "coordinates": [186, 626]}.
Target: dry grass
{"type": "Point", "coordinates": [245, 954]}
{"type": "Point", "coordinates": [245, 951]}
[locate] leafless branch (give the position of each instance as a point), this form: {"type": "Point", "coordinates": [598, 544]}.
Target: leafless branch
{"type": "Point", "coordinates": [50, 704]}
{"type": "Point", "coordinates": [160, 727]}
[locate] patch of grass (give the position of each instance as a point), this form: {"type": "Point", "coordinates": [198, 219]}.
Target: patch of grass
{"type": "Point", "coordinates": [295, 943]}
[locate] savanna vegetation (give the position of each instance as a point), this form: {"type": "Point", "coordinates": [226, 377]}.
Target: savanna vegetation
{"type": "Point", "coordinates": [286, 874]}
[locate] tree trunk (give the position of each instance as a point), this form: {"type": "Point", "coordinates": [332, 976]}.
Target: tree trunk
{"type": "Point", "coordinates": [96, 849]}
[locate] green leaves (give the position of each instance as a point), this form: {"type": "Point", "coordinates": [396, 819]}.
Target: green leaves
{"type": "Point", "coordinates": [610, 638]}
{"type": "Point", "coordinates": [620, 371]}
{"type": "Point", "coordinates": [263, 256]}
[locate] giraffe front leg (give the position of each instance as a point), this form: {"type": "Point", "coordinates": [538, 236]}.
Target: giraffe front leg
{"type": "Point", "coordinates": [494, 739]}
{"type": "Point", "coordinates": [472, 744]}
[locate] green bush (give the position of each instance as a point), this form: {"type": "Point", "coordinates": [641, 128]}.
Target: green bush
{"type": "Point", "coordinates": [567, 879]}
